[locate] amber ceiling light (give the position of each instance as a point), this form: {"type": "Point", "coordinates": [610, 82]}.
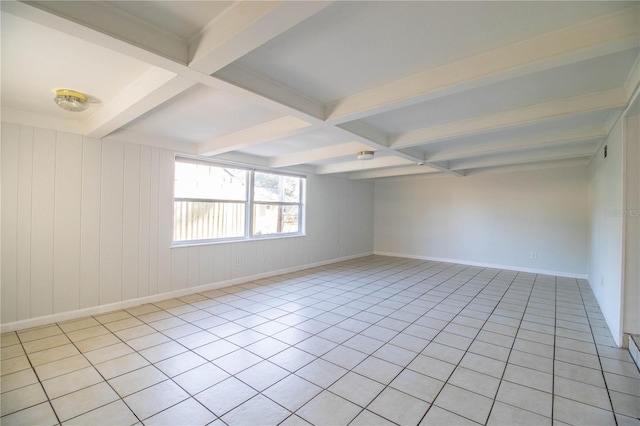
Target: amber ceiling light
{"type": "Point", "coordinates": [365, 155]}
{"type": "Point", "coordinates": [71, 100]}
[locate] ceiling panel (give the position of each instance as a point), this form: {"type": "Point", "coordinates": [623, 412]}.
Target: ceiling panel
{"type": "Point", "coordinates": [353, 46]}
{"type": "Point", "coordinates": [37, 60]}
{"type": "Point", "coordinates": [602, 73]}
{"type": "Point", "coordinates": [202, 113]}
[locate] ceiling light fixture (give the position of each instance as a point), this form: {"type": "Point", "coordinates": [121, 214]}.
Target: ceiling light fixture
{"type": "Point", "coordinates": [365, 155]}
{"type": "Point", "coordinates": [70, 100]}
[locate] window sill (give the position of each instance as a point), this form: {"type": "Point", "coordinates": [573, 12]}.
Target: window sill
{"type": "Point", "coordinates": [236, 240]}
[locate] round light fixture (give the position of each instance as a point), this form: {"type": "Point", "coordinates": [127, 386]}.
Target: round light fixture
{"type": "Point", "coordinates": [70, 100]}
{"type": "Point", "coordinates": [365, 155]}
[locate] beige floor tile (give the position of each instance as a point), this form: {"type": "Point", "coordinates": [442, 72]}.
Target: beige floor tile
{"type": "Point", "coordinates": [200, 378]}
{"type": "Point", "coordinates": [432, 367]}
{"type": "Point", "coordinates": [11, 351]}
{"type": "Point", "coordinates": [45, 343]}
{"type": "Point", "coordinates": [476, 382]}
{"type": "Point", "coordinates": [16, 380]}
{"type": "Point", "coordinates": [292, 392]}
{"type": "Point", "coordinates": [137, 380]}
{"type": "Point", "coordinates": [106, 353]}
{"type": "Point", "coordinates": [87, 333]}
{"type": "Point", "coordinates": [53, 354]}
{"type": "Point", "coordinates": [225, 396]}
{"type": "Point", "coordinates": [576, 413]}
{"type": "Point", "coordinates": [9, 339]}
{"type": "Point", "coordinates": [262, 375]}
{"type": "Point", "coordinates": [328, 409]}
{"type": "Point", "coordinates": [439, 416]}
{"type": "Point", "coordinates": [78, 324]}
{"type": "Point", "coordinates": [21, 398]}
{"type": "Point", "coordinates": [399, 407]}
{"type": "Point", "coordinates": [162, 351]}
{"type": "Point", "coordinates": [187, 412]}
{"type": "Point", "coordinates": [38, 333]}
{"type": "Point", "coordinates": [155, 399]}
{"type": "Point", "coordinates": [582, 392]}
{"type": "Point", "coordinates": [237, 361]}
{"type": "Point", "coordinates": [134, 332]}
{"type": "Point", "coordinates": [113, 414]}
{"type": "Point", "coordinates": [356, 388]}
{"type": "Point", "coordinates": [41, 414]}
{"type": "Point", "coordinates": [142, 309]}
{"type": "Point", "coordinates": [84, 400]}
{"type": "Point", "coordinates": [532, 378]}
{"type": "Point", "coordinates": [526, 398]}
{"type": "Point", "coordinates": [257, 410]}
{"type": "Point", "coordinates": [63, 366]}
{"type": "Point", "coordinates": [321, 373]}
{"type": "Point", "coordinates": [71, 382]}
{"type": "Point", "coordinates": [112, 316]}
{"type": "Point", "coordinates": [180, 363]}
{"type": "Point", "coordinates": [464, 403]}
{"type": "Point", "coordinates": [118, 366]}
{"type": "Point", "coordinates": [13, 365]}
{"type": "Point", "coordinates": [97, 342]}
{"type": "Point", "coordinates": [506, 415]}
{"type": "Point", "coordinates": [367, 418]}
{"type": "Point", "coordinates": [625, 404]}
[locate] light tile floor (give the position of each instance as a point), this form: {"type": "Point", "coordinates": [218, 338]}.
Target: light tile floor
{"type": "Point", "coordinates": [373, 341]}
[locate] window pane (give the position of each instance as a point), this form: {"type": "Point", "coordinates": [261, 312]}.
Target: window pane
{"type": "Point", "coordinates": [276, 188]}
{"type": "Point", "coordinates": [275, 219]}
{"type": "Point", "coordinates": [207, 221]}
{"type": "Point", "coordinates": [210, 182]}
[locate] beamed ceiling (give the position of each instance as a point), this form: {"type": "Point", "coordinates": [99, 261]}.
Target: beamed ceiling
{"type": "Point", "coordinates": [432, 87]}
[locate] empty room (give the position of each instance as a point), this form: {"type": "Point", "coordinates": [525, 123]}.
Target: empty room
{"type": "Point", "coordinates": [320, 213]}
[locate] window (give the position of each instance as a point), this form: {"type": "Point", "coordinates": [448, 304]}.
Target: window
{"type": "Point", "coordinates": [215, 202]}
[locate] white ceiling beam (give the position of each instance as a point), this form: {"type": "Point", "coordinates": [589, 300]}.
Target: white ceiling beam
{"type": "Point", "coordinates": [609, 34]}
{"type": "Point", "coordinates": [269, 89]}
{"type": "Point", "coordinates": [565, 152]}
{"type": "Point", "coordinates": [392, 172]}
{"type": "Point", "coordinates": [140, 138]}
{"type": "Point", "coordinates": [526, 142]}
{"type": "Point", "coordinates": [260, 133]}
{"type": "Point", "coordinates": [150, 90]}
{"type": "Point", "coordinates": [352, 166]}
{"type": "Point", "coordinates": [540, 165]}
{"type": "Point", "coordinates": [318, 154]}
{"type": "Point", "coordinates": [600, 101]}
{"type": "Point", "coordinates": [243, 27]}
{"type": "Point", "coordinates": [113, 23]}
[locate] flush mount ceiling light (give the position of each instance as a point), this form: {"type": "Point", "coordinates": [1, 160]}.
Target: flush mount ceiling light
{"type": "Point", "coordinates": [71, 100]}
{"type": "Point", "coordinates": [365, 155]}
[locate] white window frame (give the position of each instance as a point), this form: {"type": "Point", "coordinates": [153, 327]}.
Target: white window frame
{"type": "Point", "coordinates": [249, 203]}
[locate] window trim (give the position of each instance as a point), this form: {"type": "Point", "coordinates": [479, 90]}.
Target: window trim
{"type": "Point", "coordinates": [249, 203]}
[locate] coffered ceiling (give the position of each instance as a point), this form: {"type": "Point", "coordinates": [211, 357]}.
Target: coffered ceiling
{"type": "Point", "coordinates": [431, 87]}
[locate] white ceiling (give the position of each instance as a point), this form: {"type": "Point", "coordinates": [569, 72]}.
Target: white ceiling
{"type": "Point", "coordinates": [462, 87]}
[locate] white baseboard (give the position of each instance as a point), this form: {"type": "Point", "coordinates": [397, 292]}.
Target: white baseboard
{"type": "Point", "coordinates": [486, 265]}
{"type": "Point", "coordinates": [95, 310]}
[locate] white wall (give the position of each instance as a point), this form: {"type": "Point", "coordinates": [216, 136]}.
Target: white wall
{"type": "Point", "coordinates": [489, 219]}
{"type": "Point", "coordinates": [606, 237]}
{"type": "Point", "coordinates": [631, 314]}
{"type": "Point", "coordinates": [87, 223]}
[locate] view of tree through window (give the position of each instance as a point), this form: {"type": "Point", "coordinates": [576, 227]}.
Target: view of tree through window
{"type": "Point", "coordinates": [213, 202]}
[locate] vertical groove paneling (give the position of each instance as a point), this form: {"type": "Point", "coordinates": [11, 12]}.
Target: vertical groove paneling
{"type": "Point", "coordinates": [10, 161]}
{"type": "Point", "coordinates": [66, 235]}
{"type": "Point", "coordinates": [111, 222]}
{"type": "Point", "coordinates": [153, 222]}
{"type": "Point", "coordinates": [144, 222]}
{"type": "Point", "coordinates": [42, 207]}
{"type": "Point", "coordinates": [131, 221]}
{"type": "Point", "coordinates": [23, 250]}
{"type": "Point", "coordinates": [165, 220]}
{"type": "Point", "coordinates": [193, 273]}
{"type": "Point", "coordinates": [87, 222]}
{"type": "Point", "coordinates": [90, 223]}
{"type": "Point", "coordinates": [179, 268]}
{"type": "Point", "coordinates": [206, 265]}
